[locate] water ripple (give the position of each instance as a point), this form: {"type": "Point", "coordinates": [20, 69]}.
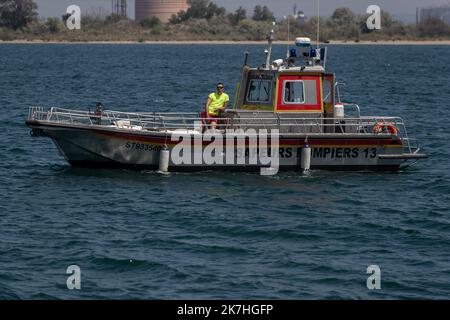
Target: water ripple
{"type": "Point", "coordinates": [217, 235]}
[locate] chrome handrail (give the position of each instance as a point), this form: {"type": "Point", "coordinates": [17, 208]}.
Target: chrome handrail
{"type": "Point", "coordinates": [354, 105]}
{"type": "Point", "coordinates": [166, 121]}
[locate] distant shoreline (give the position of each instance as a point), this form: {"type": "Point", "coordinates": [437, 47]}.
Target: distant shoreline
{"type": "Point", "coordinates": [394, 42]}
{"type": "Point", "coordinates": [229, 42]}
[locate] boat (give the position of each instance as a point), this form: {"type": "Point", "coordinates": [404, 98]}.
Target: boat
{"type": "Point", "coordinates": [287, 115]}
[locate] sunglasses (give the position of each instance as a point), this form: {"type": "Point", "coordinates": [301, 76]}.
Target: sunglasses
{"type": "Point", "coordinates": [219, 87]}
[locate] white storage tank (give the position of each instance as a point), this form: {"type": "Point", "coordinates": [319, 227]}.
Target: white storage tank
{"type": "Point", "coordinates": [339, 111]}
{"type": "Point", "coordinates": [162, 9]}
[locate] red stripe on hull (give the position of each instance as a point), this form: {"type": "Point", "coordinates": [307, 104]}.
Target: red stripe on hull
{"type": "Point", "coordinates": [289, 141]}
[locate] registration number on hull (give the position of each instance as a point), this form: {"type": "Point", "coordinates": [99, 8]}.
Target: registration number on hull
{"type": "Point", "coordinates": [142, 146]}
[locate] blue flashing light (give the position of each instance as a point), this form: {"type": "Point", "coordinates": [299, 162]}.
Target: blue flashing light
{"type": "Point", "coordinates": [293, 53]}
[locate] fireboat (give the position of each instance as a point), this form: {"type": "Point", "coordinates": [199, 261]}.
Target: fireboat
{"type": "Point", "coordinates": [287, 110]}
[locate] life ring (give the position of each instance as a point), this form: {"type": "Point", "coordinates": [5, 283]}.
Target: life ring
{"type": "Point", "coordinates": [383, 127]}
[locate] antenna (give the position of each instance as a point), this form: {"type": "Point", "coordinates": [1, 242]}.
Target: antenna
{"type": "Point", "coordinates": [269, 49]}
{"type": "Point", "coordinates": [318, 22]}
{"type": "Point", "coordinates": [289, 34]}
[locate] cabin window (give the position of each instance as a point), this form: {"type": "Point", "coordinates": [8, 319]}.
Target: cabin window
{"type": "Point", "coordinates": [327, 91]}
{"type": "Point", "coordinates": [294, 92]}
{"type": "Point", "coordinates": [259, 91]}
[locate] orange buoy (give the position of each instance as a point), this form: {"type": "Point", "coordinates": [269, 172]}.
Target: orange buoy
{"type": "Point", "coordinates": [383, 127]}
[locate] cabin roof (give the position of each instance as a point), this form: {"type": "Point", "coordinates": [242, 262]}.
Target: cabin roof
{"type": "Point", "coordinates": [319, 69]}
{"type": "Point", "coordinates": [284, 70]}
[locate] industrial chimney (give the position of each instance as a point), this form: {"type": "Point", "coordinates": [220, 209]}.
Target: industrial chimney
{"type": "Point", "coordinates": [119, 7]}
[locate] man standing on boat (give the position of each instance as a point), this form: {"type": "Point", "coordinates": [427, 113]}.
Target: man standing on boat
{"type": "Point", "coordinates": [216, 103]}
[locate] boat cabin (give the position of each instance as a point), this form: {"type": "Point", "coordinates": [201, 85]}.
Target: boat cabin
{"type": "Point", "coordinates": [282, 90]}
{"type": "Point", "coordinates": [292, 90]}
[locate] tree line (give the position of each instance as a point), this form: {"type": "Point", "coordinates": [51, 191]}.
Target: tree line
{"type": "Point", "coordinates": [205, 9]}
{"type": "Point", "coordinates": [205, 20]}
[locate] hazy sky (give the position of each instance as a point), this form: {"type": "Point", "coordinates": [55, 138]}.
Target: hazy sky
{"type": "Point", "coordinates": [401, 9]}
